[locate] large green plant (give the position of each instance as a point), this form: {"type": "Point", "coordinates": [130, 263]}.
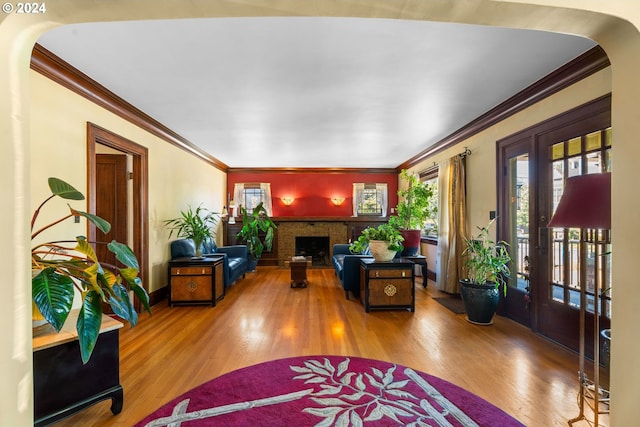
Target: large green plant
{"type": "Point", "coordinates": [195, 224]}
{"type": "Point", "coordinates": [416, 203]}
{"type": "Point", "coordinates": [485, 260]}
{"type": "Point", "coordinates": [254, 225]}
{"type": "Point", "coordinates": [385, 232]}
{"type": "Point", "coordinates": [62, 265]}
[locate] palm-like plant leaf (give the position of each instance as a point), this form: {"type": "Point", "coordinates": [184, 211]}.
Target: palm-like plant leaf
{"type": "Point", "coordinates": [53, 294]}
{"type": "Point", "coordinates": [60, 188]}
{"type": "Point", "coordinates": [102, 224]}
{"type": "Point", "coordinates": [88, 324]}
{"type": "Point", "coordinates": [124, 254]}
{"type": "Point", "coordinates": [121, 305]}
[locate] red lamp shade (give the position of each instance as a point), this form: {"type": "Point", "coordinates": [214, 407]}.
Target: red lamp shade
{"type": "Point", "coordinates": [585, 203]}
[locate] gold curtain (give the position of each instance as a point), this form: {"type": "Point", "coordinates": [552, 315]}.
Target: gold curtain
{"type": "Point", "coordinates": [452, 224]}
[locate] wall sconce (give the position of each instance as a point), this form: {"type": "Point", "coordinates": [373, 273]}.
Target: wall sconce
{"type": "Point", "coordinates": [287, 200]}
{"type": "Point", "coordinates": [337, 200]}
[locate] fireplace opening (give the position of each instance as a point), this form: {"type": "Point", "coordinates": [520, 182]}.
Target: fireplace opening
{"type": "Point", "coordinates": [317, 247]}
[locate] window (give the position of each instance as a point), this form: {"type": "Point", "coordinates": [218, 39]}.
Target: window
{"type": "Point", "coordinates": [370, 199]}
{"type": "Point", "coordinates": [249, 195]}
{"type": "Point", "coordinates": [430, 176]}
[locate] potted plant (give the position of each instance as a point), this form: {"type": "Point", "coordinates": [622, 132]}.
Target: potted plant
{"type": "Point", "coordinates": [193, 224]}
{"type": "Point", "coordinates": [487, 266]}
{"type": "Point", "coordinates": [415, 205]}
{"type": "Point", "coordinates": [256, 226]}
{"type": "Point", "coordinates": [62, 266]}
{"type": "Point", "coordinates": [383, 241]}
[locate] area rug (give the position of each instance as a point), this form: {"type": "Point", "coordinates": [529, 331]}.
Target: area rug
{"type": "Point", "coordinates": [453, 303]}
{"type": "Point", "coordinates": [328, 391]}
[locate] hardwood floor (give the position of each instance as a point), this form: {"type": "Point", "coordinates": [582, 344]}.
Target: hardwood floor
{"type": "Point", "coordinates": [262, 318]}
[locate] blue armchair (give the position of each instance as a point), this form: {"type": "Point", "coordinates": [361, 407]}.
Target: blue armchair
{"type": "Point", "coordinates": [236, 257]}
{"type": "Point", "coordinates": [347, 267]}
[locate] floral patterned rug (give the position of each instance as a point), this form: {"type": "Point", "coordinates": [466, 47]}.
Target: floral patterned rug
{"type": "Point", "coordinates": [328, 391]}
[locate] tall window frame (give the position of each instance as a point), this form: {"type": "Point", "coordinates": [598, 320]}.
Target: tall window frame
{"type": "Point", "coordinates": [431, 177]}
{"type": "Point", "coordinates": [250, 194]}
{"type": "Point", "coordinates": [370, 199]}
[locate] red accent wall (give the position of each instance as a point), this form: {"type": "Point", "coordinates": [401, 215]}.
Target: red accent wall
{"type": "Point", "coordinates": [313, 190]}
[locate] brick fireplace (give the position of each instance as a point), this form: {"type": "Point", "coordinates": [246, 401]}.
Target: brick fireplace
{"type": "Point", "coordinates": [336, 232]}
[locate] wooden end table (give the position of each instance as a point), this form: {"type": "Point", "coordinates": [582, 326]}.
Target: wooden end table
{"type": "Point", "coordinates": [387, 285]}
{"type": "Point", "coordinates": [298, 266]}
{"type": "Point", "coordinates": [196, 280]}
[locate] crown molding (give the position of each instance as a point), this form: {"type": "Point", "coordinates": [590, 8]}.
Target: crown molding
{"type": "Point", "coordinates": [55, 68]}
{"type": "Point", "coordinates": [313, 170]}
{"type": "Point", "coordinates": [581, 67]}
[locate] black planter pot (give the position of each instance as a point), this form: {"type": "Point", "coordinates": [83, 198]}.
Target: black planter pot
{"type": "Point", "coordinates": [480, 301]}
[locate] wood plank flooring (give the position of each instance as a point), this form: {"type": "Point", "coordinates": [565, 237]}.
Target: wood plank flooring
{"type": "Point", "coordinates": [262, 318]}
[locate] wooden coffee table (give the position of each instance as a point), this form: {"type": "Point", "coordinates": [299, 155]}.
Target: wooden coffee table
{"type": "Point", "coordinates": [298, 266]}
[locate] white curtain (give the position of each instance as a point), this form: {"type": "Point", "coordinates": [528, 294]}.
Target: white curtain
{"type": "Point", "coordinates": [382, 196]}
{"type": "Point", "coordinates": [265, 197]}
{"type": "Point", "coordinates": [442, 252]}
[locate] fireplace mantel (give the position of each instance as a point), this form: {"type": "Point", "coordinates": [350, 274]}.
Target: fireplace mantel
{"type": "Point", "coordinates": [330, 219]}
{"type": "Point", "coordinates": [339, 230]}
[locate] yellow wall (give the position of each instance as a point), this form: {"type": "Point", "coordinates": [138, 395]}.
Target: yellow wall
{"type": "Point", "coordinates": [58, 148]}
{"type": "Point", "coordinates": [590, 18]}
{"type": "Point", "coordinates": [481, 164]}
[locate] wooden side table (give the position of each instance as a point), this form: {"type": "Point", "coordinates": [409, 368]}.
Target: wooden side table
{"type": "Point", "coordinates": [196, 281]}
{"type": "Point", "coordinates": [298, 267]}
{"type": "Point", "coordinates": [387, 285]}
{"type": "Point", "coordinates": [62, 384]}
{"type": "Point", "coordinates": [421, 260]}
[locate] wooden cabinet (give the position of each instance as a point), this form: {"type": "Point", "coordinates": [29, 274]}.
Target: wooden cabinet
{"type": "Point", "coordinates": [387, 285]}
{"type": "Point", "coordinates": [196, 281]}
{"type": "Point", "coordinates": [62, 384]}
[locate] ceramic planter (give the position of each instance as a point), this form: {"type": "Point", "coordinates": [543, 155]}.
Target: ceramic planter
{"type": "Point", "coordinates": [380, 250]}
{"type": "Point", "coordinates": [411, 242]}
{"type": "Point", "coordinates": [480, 301]}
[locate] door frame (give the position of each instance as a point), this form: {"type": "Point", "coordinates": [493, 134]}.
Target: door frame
{"type": "Point", "coordinates": [140, 224]}
{"type": "Point", "coordinates": [596, 113]}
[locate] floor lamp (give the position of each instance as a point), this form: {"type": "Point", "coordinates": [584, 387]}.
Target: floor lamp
{"type": "Point", "coordinates": [586, 204]}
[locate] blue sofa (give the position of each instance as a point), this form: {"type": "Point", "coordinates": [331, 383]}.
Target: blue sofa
{"type": "Point", "coordinates": [236, 257]}
{"type": "Point", "coordinates": [347, 267]}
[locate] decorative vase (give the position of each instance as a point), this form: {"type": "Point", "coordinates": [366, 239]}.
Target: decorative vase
{"type": "Point", "coordinates": [480, 301]}
{"type": "Point", "coordinates": [411, 242]}
{"type": "Point", "coordinates": [380, 250]}
{"type": "Point", "coordinates": [198, 245]}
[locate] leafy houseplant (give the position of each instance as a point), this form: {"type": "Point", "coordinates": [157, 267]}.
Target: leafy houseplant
{"type": "Point", "coordinates": [255, 225]}
{"type": "Point", "coordinates": [58, 268]}
{"type": "Point", "coordinates": [415, 205]}
{"type": "Point", "coordinates": [487, 265]}
{"type": "Point", "coordinates": [193, 224]}
{"type": "Point", "coordinates": [385, 236]}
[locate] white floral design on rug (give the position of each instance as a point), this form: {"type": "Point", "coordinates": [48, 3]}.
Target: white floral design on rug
{"type": "Point", "coordinates": [349, 398]}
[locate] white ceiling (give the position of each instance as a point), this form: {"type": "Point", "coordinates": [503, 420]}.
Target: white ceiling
{"type": "Point", "coordinates": [312, 92]}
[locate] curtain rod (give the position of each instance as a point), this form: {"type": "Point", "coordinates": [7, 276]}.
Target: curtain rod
{"type": "Point", "coordinates": [433, 167]}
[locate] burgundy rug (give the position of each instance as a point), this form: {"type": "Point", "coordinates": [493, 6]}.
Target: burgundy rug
{"type": "Point", "coordinates": [328, 391]}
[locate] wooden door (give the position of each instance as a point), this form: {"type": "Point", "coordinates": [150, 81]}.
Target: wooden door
{"type": "Point", "coordinates": [111, 201]}
{"type": "Point", "coordinates": [546, 294]}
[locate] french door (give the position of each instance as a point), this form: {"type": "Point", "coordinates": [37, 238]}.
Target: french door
{"type": "Point", "coordinates": [544, 290]}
